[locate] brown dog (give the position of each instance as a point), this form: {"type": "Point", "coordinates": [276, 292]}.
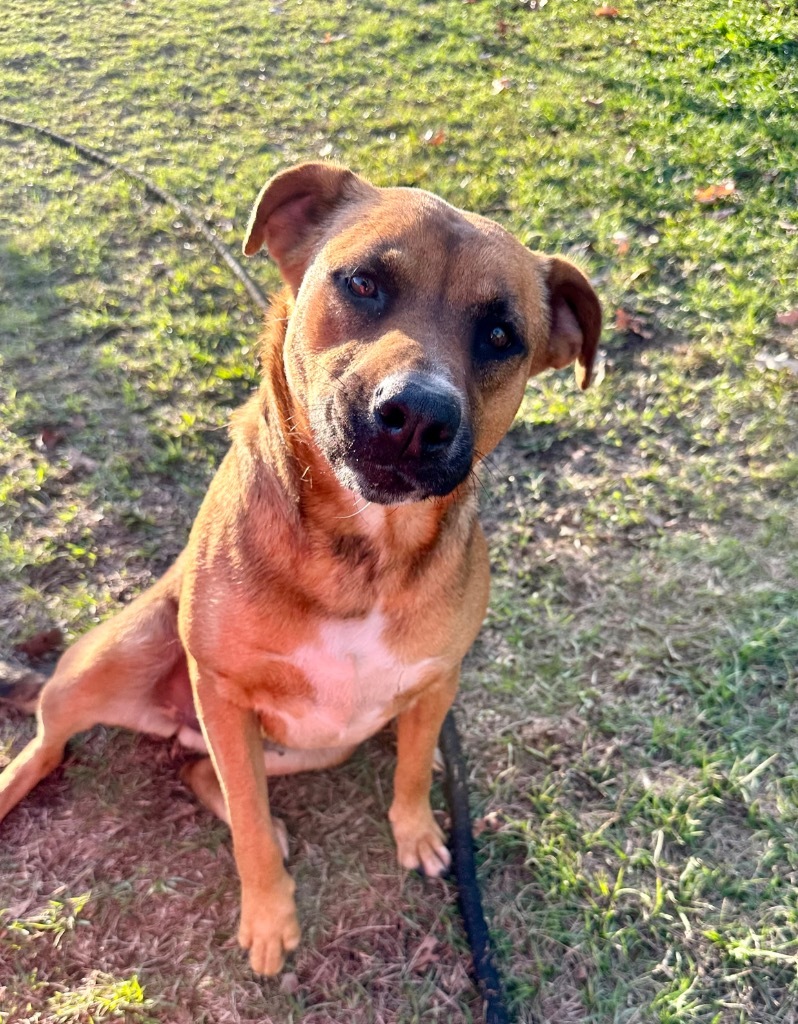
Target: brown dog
{"type": "Point", "coordinates": [336, 573]}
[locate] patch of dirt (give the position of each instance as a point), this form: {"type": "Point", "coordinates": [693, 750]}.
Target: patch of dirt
{"type": "Point", "coordinates": [116, 822]}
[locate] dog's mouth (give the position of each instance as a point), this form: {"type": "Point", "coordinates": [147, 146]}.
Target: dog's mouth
{"type": "Point", "coordinates": [396, 484]}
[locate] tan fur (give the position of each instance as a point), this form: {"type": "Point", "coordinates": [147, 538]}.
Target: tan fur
{"type": "Point", "coordinates": [297, 611]}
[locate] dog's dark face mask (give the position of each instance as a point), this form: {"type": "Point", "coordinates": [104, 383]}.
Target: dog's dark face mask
{"type": "Point", "coordinates": [406, 439]}
{"type": "Point", "coordinates": [415, 327]}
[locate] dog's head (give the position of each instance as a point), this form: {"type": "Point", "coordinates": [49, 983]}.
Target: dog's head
{"type": "Point", "coordinates": [415, 327]}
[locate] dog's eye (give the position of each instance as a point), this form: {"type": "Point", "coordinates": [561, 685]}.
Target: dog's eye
{"type": "Point", "coordinates": [363, 286]}
{"type": "Point", "coordinates": [496, 339]}
{"type": "Point", "coordinates": [499, 338]}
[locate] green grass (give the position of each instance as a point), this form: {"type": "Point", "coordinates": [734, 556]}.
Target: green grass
{"type": "Point", "coordinates": [629, 708]}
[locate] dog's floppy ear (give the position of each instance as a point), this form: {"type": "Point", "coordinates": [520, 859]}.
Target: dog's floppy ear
{"type": "Point", "coordinates": [575, 320]}
{"type": "Point", "coordinates": [290, 213]}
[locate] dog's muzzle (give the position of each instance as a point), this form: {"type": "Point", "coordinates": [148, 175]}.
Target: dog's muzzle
{"type": "Point", "coordinates": [413, 442]}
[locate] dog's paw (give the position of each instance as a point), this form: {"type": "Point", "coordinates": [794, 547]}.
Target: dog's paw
{"type": "Point", "coordinates": [420, 842]}
{"type": "Point", "coordinates": [269, 927]}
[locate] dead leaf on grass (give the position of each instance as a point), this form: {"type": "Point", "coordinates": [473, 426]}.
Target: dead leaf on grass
{"type": "Point", "coordinates": [606, 12]}
{"type": "Point", "coordinates": [491, 822]}
{"type": "Point", "coordinates": [628, 323]}
{"type": "Point", "coordinates": [715, 193]}
{"type": "Point", "coordinates": [621, 240]}
{"type": "Point", "coordinates": [39, 644]}
{"type": "Point", "coordinates": [500, 85]}
{"type": "Point", "coordinates": [48, 438]}
{"type": "Point", "coordinates": [552, 730]}
{"type": "Point", "coordinates": [788, 319]}
{"type": "Point", "coordinates": [426, 954]}
{"type": "Point", "coordinates": [435, 137]}
{"type": "Point", "coordinates": [593, 101]}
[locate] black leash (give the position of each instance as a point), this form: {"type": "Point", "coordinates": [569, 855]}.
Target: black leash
{"type": "Point", "coordinates": [465, 869]}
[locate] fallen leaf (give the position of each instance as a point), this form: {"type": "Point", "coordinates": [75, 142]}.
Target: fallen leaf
{"type": "Point", "coordinates": [330, 38]}
{"type": "Point", "coordinates": [502, 27]}
{"type": "Point", "coordinates": [714, 193]}
{"type": "Point", "coordinates": [621, 240]}
{"type": "Point", "coordinates": [627, 323]}
{"type": "Point", "coordinates": [500, 84]}
{"type": "Point", "coordinates": [787, 226]}
{"type": "Point", "coordinates": [426, 953]}
{"type": "Point", "coordinates": [606, 12]}
{"type": "Point", "coordinates": [593, 101]}
{"type": "Point", "coordinates": [490, 823]}
{"type": "Point", "coordinates": [326, 150]}
{"type": "Point", "coordinates": [788, 319]}
{"type": "Point", "coordinates": [39, 644]}
{"type": "Point", "coordinates": [435, 137]}
{"type": "Point", "coordinates": [48, 438]}
{"type": "Point", "coordinates": [623, 320]}
{"type": "Point", "coordinates": [580, 972]}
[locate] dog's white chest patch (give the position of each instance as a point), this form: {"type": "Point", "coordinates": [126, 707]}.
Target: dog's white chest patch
{"type": "Point", "coordinates": [355, 679]}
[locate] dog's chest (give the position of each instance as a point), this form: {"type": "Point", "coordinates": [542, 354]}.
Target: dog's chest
{"type": "Point", "coordinates": [356, 683]}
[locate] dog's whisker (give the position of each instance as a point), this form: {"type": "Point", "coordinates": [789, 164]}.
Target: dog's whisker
{"type": "Point", "coordinates": [357, 512]}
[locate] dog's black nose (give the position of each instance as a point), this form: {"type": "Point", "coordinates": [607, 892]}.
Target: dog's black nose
{"type": "Point", "coordinates": [416, 418]}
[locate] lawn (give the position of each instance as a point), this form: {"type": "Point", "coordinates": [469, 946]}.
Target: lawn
{"type": "Point", "coordinates": [629, 710]}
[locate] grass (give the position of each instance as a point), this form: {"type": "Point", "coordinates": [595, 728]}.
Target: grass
{"type": "Point", "coordinates": [629, 708]}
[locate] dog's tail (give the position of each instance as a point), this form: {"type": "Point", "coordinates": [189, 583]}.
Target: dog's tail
{"type": "Point", "coordinates": [20, 687]}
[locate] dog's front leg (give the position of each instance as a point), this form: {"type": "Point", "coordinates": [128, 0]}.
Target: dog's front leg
{"type": "Point", "coordinates": [419, 839]}
{"type": "Point", "coordinates": [269, 926]}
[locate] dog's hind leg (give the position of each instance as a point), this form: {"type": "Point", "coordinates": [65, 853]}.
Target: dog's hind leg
{"type": "Point", "coordinates": [111, 676]}
{"type": "Point", "coordinates": [201, 778]}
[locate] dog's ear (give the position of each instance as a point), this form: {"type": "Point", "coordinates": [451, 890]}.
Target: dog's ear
{"type": "Point", "coordinates": [290, 213]}
{"type": "Point", "coordinates": [575, 320]}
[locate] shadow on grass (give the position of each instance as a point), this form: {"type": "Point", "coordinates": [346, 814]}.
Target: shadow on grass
{"type": "Point", "coordinates": [90, 500]}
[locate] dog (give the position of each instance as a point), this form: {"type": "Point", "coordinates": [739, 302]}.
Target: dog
{"type": "Point", "coordinates": [336, 573]}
